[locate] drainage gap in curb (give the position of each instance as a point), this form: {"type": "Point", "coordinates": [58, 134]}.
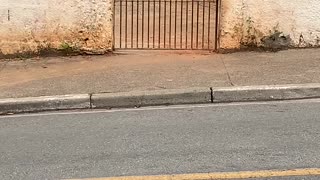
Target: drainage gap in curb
{"type": "Point", "coordinates": [211, 89]}
{"type": "Point", "coordinates": [90, 101]}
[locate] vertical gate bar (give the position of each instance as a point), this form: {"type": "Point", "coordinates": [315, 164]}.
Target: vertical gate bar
{"type": "Point", "coordinates": [181, 18]}
{"type": "Point", "coordinates": [209, 15]}
{"type": "Point", "coordinates": [132, 24]}
{"type": "Point", "coordinates": [203, 17]}
{"type": "Point", "coordinates": [154, 22]}
{"type": "Point", "coordinates": [114, 26]}
{"type": "Point", "coordinates": [165, 22]}
{"type": "Point", "coordinates": [192, 24]}
{"type": "Point", "coordinates": [159, 40]}
{"type": "Point", "coordinates": [120, 22]}
{"type": "Point", "coordinates": [148, 23]}
{"type": "Point", "coordinates": [142, 39]}
{"type": "Point", "coordinates": [187, 15]}
{"type": "Point", "coordinates": [217, 25]}
{"type": "Point", "coordinates": [197, 38]}
{"type": "Point", "coordinates": [170, 24]}
{"type": "Point", "coordinates": [175, 25]}
{"type": "Point", "coordinates": [137, 23]}
{"type": "Point", "coordinates": [126, 31]}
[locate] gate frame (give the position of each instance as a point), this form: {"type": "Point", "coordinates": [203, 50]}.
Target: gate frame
{"type": "Point", "coordinates": [217, 29]}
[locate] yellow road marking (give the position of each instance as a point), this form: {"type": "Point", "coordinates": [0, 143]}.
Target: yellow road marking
{"type": "Point", "coordinates": [222, 175]}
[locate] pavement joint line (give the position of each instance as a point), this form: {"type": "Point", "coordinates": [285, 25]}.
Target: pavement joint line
{"type": "Point", "coordinates": [220, 175]}
{"type": "Point", "coordinates": [90, 100]}
{"type": "Point", "coordinates": [212, 94]}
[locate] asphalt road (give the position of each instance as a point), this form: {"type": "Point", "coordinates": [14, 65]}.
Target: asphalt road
{"type": "Point", "coordinates": [161, 140]}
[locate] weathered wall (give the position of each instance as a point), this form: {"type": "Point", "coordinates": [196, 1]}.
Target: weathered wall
{"type": "Point", "coordinates": [270, 23]}
{"type": "Point", "coordinates": [30, 26]}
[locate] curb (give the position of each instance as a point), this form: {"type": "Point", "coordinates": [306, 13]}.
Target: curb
{"type": "Point", "coordinates": [152, 98]}
{"type": "Point", "coordinates": [44, 103]}
{"type": "Point", "coordinates": [265, 93]}
{"type": "Point", "coordinates": [160, 97]}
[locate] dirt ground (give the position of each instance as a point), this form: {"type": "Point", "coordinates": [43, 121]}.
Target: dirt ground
{"type": "Point", "coordinates": [165, 24]}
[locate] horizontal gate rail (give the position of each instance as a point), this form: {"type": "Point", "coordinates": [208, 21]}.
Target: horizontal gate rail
{"type": "Point", "coordinates": [166, 24]}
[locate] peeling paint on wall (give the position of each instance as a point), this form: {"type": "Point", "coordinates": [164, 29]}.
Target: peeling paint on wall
{"type": "Point", "coordinates": [270, 24]}
{"type": "Point", "coordinates": [32, 26]}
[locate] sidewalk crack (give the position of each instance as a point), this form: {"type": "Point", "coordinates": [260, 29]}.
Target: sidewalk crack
{"type": "Point", "coordinates": [3, 65]}
{"type": "Point", "coordinates": [228, 75]}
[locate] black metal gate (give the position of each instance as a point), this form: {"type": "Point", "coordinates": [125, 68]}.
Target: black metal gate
{"type": "Point", "coordinates": [166, 24]}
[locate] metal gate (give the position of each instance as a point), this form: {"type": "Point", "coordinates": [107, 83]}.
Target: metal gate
{"type": "Point", "coordinates": [166, 24]}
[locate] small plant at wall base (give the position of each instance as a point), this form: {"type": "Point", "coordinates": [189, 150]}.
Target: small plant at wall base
{"type": "Point", "coordinates": [65, 46]}
{"type": "Point", "coordinates": [64, 49]}
{"type": "Point", "coordinates": [318, 41]}
{"type": "Point", "coordinates": [250, 34]}
{"type": "Point", "coordinates": [67, 49]}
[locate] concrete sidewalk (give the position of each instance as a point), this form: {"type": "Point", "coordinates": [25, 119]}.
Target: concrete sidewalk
{"type": "Point", "coordinates": [144, 71]}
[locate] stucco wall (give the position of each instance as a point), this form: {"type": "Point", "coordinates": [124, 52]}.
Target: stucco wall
{"type": "Point", "coordinates": [28, 26]}
{"type": "Point", "coordinates": [270, 23]}
{"type": "Point", "coordinates": [34, 25]}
